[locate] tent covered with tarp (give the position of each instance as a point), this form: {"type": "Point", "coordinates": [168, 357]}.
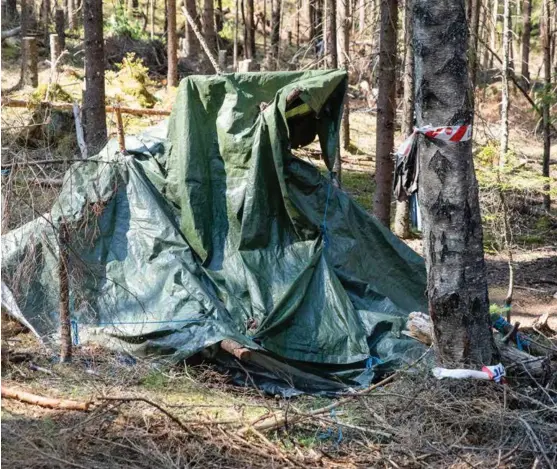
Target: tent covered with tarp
{"type": "Point", "coordinates": [209, 228]}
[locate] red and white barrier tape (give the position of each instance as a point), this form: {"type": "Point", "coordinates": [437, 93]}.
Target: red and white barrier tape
{"type": "Point", "coordinates": [457, 133]}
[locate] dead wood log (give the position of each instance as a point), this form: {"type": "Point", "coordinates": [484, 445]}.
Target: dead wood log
{"type": "Point", "coordinates": [11, 32]}
{"type": "Point", "coordinates": [234, 348]}
{"type": "Point", "coordinates": [49, 402]}
{"type": "Point", "coordinates": [419, 327]}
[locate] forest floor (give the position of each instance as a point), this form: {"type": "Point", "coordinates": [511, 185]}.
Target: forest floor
{"type": "Point", "coordinates": [413, 422]}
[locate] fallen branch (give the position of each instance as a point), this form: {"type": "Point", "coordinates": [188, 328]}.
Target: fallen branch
{"type": "Point", "coordinates": [11, 32]}
{"type": "Point", "coordinates": [49, 402]}
{"type": "Point", "coordinates": [279, 419]}
{"type": "Point", "coordinates": [201, 40]}
{"type": "Point", "coordinates": [69, 107]}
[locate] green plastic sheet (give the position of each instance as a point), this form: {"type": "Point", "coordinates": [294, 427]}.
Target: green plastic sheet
{"type": "Point", "coordinates": [209, 228]}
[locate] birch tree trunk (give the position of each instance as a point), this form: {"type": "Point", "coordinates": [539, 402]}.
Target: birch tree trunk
{"type": "Point", "coordinates": [362, 19]}
{"type": "Point", "coordinates": [172, 45]}
{"type": "Point", "coordinates": [505, 74]}
{"type": "Point", "coordinates": [402, 221]}
{"type": "Point", "coordinates": [546, 43]}
{"type": "Point", "coordinates": [386, 106]}
{"type": "Point", "coordinates": [94, 114]}
{"type": "Point", "coordinates": [448, 191]}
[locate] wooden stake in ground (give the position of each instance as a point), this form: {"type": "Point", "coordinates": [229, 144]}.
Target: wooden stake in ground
{"type": "Point", "coordinates": [63, 277]}
{"type": "Point", "coordinates": [120, 130]}
{"type": "Point", "coordinates": [30, 72]}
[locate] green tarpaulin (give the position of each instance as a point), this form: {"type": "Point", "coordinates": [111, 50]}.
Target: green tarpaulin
{"type": "Point", "coordinates": [210, 228]}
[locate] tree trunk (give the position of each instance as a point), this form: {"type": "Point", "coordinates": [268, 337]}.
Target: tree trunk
{"type": "Point", "coordinates": [29, 64]}
{"type": "Point", "coordinates": [54, 55]}
{"type": "Point", "coordinates": [235, 58]}
{"type": "Point", "coordinates": [362, 19]}
{"type": "Point", "coordinates": [386, 106]}
{"type": "Point", "coordinates": [209, 33]}
{"type": "Point", "coordinates": [219, 17]}
{"type": "Point", "coordinates": [65, 323]}
{"type": "Point", "coordinates": [298, 8]}
{"type": "Point", "coordinates": [59, 22]}
{"type": "Point", "coordinates": [494, 21]}
{"type": "Point", "coordinates": [332, 37]}
{"type": "Point", "coordinates": [45, 13]}
{"type": "Point", "coordinates": [249, 46]}
{"type": "Point", "coordinates": [265, 27]}
{"type": "Point", "coordinates": [311, 19]}
{"type": "Point", "coordinates": [485, 36]}
{"type": "Point", "coordinates": [402, 221]}
{"type": "Point", "coordinates": [345, 62]}
{"type": "Point", "coordinates": [11, 10]}
{"type": "Point", "coordinates": [172, 45]}
{"type": "Point", "coordinates": [448, 191]}
{"type": "Point", "coordinates": [152, 10]}
{"type": "Point", "coordinates": [275, 32]}
{"type": "Point", "coordinates": [546, 43]}
{"type": "Point", "coordinates": [94, 114]}
{"type": "Point", "coordinates": [191, 42]}
{"type": "Point", "coordinates": [505, 74]}
{"type": "Point", "coordinates": [72, 15]}
{"type": "Point", "coordinates": [526, 32]}
{"type": "Point", "coordinates": [473, 45]}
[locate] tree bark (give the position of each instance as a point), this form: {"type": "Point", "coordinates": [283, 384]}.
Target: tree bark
{"type": "Point", "coordinates": [72, 15]}
{"type": "Point", "coordinates": [235, 58]}
{"type": "Point", "coordinates": [311, 19]}
{"type": "Point", "coordinates": [526, 33]}
{"type": "Point", "coordinates": [11, 10]}
{"type": "Point", "coordinates": [54, 54]}
{"type": "Point", "coordinates": [345, 62]}
{"type": "Point", "coordinates": [386, 106]}
{"type": "Point", "coordinates": [172, 45]}
{"type": "Point", "coordinates": [65, 324]}
{"type": "Point", "coordinates": [275, 32]}
{"type": "Point", "coordinates": [59, 22]}
{"type": "Point", "coordinates": [332, 37]}
{"type": "Point", "coordinates": [505, 74]}
{"type": "Point", "coordinates": [402, 219]}
{"type": "Point", "coordinates": [473, 44]}
{"type": "Point", "coordinates": [29, 64]}
{"type": "Point", "coordinates": [362, 19]}
{"type": "Point", "coordinates": [219, 17]}
{"type": "Point", "coordinates": [249, 46]}
{"type": "Point", "coordinates": [94, 114]}
{"type": "Point", "coordinates": [448, 191]}
{"type": "Point", "coordinates": [209, 33]}
{"type": "Point", "coordinates": [152, 10]}
{"type": "Point", "coordinates": [546, 43]}
{"type": "Point", "coordinates": [192, 46]}
{"type": "Point", "coordinates": [494, 21]}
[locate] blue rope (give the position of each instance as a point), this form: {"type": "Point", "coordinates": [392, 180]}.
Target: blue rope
{"type": "Point", "coordinates": [324, 223]}
{"type": "Point", "coordinates": [372, 361]}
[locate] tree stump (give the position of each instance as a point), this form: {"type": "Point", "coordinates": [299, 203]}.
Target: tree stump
{"type": "Point", "coordinates": [54, 54]}
{"type": "Point", "coordinates": [29, 70]}
{"type": "Point", "coordinates": [222, 59]}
